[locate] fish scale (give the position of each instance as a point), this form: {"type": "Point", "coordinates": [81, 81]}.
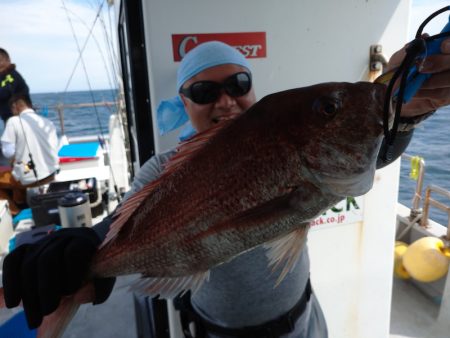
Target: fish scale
{"type": "Point", "coordinates": [258, 179]}
{"type": "Point", "coordinates": [215, 212]}
{"type": "Point", "coordinates": [187, 223]}
{"type": "Point", "coordinates": [212, 207]}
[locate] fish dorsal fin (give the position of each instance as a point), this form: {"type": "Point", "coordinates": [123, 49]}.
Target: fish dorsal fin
{"type": "Point", "coordinates": [124, 212]}
{"type": "Point", "coordinates": [189, 147]}
{"type": "Point", "coordinates": [169, 287]}
{"type": "Point", "coordinates": [184, 151]}
{"type": "Point", "coordinates": [284, 252]}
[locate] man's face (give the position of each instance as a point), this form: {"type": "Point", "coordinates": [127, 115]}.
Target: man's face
{"type": "Point", "coordinates": [204, 116]}
{"type": "Point", "coordinates": [15, 107]}
{"type": "Point", "coordinates": [4, 62]}
{"type": "Point", "coordinates": [18, 106]}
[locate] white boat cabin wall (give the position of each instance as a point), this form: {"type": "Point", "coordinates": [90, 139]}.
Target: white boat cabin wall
{"type": "Point", "coordinates": [295, 44]}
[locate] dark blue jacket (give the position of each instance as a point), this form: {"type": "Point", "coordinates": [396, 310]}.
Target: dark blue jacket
{"type": "Point", "coordinates": [11, 82]}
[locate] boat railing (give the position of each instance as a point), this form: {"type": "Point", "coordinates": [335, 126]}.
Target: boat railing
{"type": "Point", "coordinates": [429, 201]}
{"type": "Point", "coordinates": [422, 213]}
{"type": "Point", "coordinates": [59, 108]}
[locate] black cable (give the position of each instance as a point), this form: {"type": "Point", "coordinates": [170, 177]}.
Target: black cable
{"type": "Point", "coordinates": [431, 17]}
{"type": "Point", "coordinates": [390, 134]}
{"type": "Point", "coordinates": [414, 50]}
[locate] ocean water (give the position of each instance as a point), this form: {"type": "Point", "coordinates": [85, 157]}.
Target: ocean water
{"type": "Point", "coordinates": [80, 121]}
{"type": "Point", "coordinates": [431, 139]}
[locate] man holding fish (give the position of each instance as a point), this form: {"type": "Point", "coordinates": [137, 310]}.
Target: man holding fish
{"type": "Point", "coordinates": [226, 245]}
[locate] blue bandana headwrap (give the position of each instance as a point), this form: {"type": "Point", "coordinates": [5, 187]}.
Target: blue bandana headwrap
{"type": "Point", "coordinates": [171, 113]}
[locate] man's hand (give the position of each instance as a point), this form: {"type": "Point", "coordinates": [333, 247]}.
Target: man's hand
{"type": "Point", "coordinates": [41, 273]}
{"type": "Point", "coordinates": [435, 92]}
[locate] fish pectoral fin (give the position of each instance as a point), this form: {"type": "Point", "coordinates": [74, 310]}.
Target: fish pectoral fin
{"type": "Point", "coordinates": [284, 252]}
{"type": "Point", "coordinates": [169, 287]}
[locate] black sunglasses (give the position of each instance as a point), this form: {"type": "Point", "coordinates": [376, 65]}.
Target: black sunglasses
{"type": "Point", "coordinates": [204, 92]}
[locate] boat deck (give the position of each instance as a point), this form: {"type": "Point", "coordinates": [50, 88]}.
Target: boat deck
{"type": "Point", "coordinates": [114, 318]}
{"type": "Point", "coordinates": [413, 315]}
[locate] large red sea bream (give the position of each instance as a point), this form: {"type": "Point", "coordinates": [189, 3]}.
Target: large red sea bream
{"type": "Point", "coordinates": [258, 178]}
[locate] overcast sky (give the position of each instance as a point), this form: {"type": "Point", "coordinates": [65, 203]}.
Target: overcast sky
{"type": "Point", "coordinates": [38, 36]}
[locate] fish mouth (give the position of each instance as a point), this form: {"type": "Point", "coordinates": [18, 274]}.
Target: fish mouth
{"type": "Point", "coordinates": [354, 185]}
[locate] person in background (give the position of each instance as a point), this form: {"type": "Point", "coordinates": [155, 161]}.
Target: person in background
{"type": "Point", "coordinates": [239, 300]}
{"type": "Point", "coordinates": [11, 82]}
{"type": "Point", "coordinates": [31, 143]}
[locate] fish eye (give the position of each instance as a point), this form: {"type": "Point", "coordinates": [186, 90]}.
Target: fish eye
{"type": "Point", "coordinates": [330, 109]}
{"type": "Point", "coordinates": [327, 106]}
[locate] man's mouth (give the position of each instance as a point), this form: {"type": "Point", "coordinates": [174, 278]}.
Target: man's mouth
{"type": "Point", "coordinates": [229, 115]}
{"type": "Point", "coordinates": [217, 119]}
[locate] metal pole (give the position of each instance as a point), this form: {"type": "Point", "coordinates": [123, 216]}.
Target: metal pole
{"type": "Point", "coordinates": [419, 185]}
{"type": "Point", "coordinates": [60, 109]}
{"type": "Point", "coordinates": [430, 201]}
{"type": "Point", "coordinates": [415, 210]}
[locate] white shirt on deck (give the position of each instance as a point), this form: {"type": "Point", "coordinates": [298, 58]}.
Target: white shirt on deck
{"type": "Point", "coordinates": [35, 134]}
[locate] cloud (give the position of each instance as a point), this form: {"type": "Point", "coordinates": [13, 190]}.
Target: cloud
{"type": "Point", "coordinates": [38, 36]}
{"type": "Point", "coordinates": [421, 9]}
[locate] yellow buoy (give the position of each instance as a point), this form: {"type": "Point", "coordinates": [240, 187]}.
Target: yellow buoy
{"type": "Point", "coordinates": [426, 259]}
{"type": "Point", "coordinates": [399, 269]}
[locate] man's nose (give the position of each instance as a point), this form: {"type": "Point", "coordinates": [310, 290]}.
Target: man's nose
{"type": "Point", "coordinates": [225, 100]}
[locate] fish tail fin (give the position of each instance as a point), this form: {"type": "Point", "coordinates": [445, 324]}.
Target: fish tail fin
{"type": "Point", "coordinates": [54, 325]}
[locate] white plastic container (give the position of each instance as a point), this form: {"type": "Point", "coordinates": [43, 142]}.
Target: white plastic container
{"type": "Point", "coordinates": [74, 210]}
{"type": "Point", "coordinates": [6, 226]}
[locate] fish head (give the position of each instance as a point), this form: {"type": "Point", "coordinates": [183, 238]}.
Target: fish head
{"type": "Point", "coordinates": [341, 128]}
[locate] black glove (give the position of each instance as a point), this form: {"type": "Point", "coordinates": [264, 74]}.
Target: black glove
{"type": "Point", "coordinates": [40, 274]}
